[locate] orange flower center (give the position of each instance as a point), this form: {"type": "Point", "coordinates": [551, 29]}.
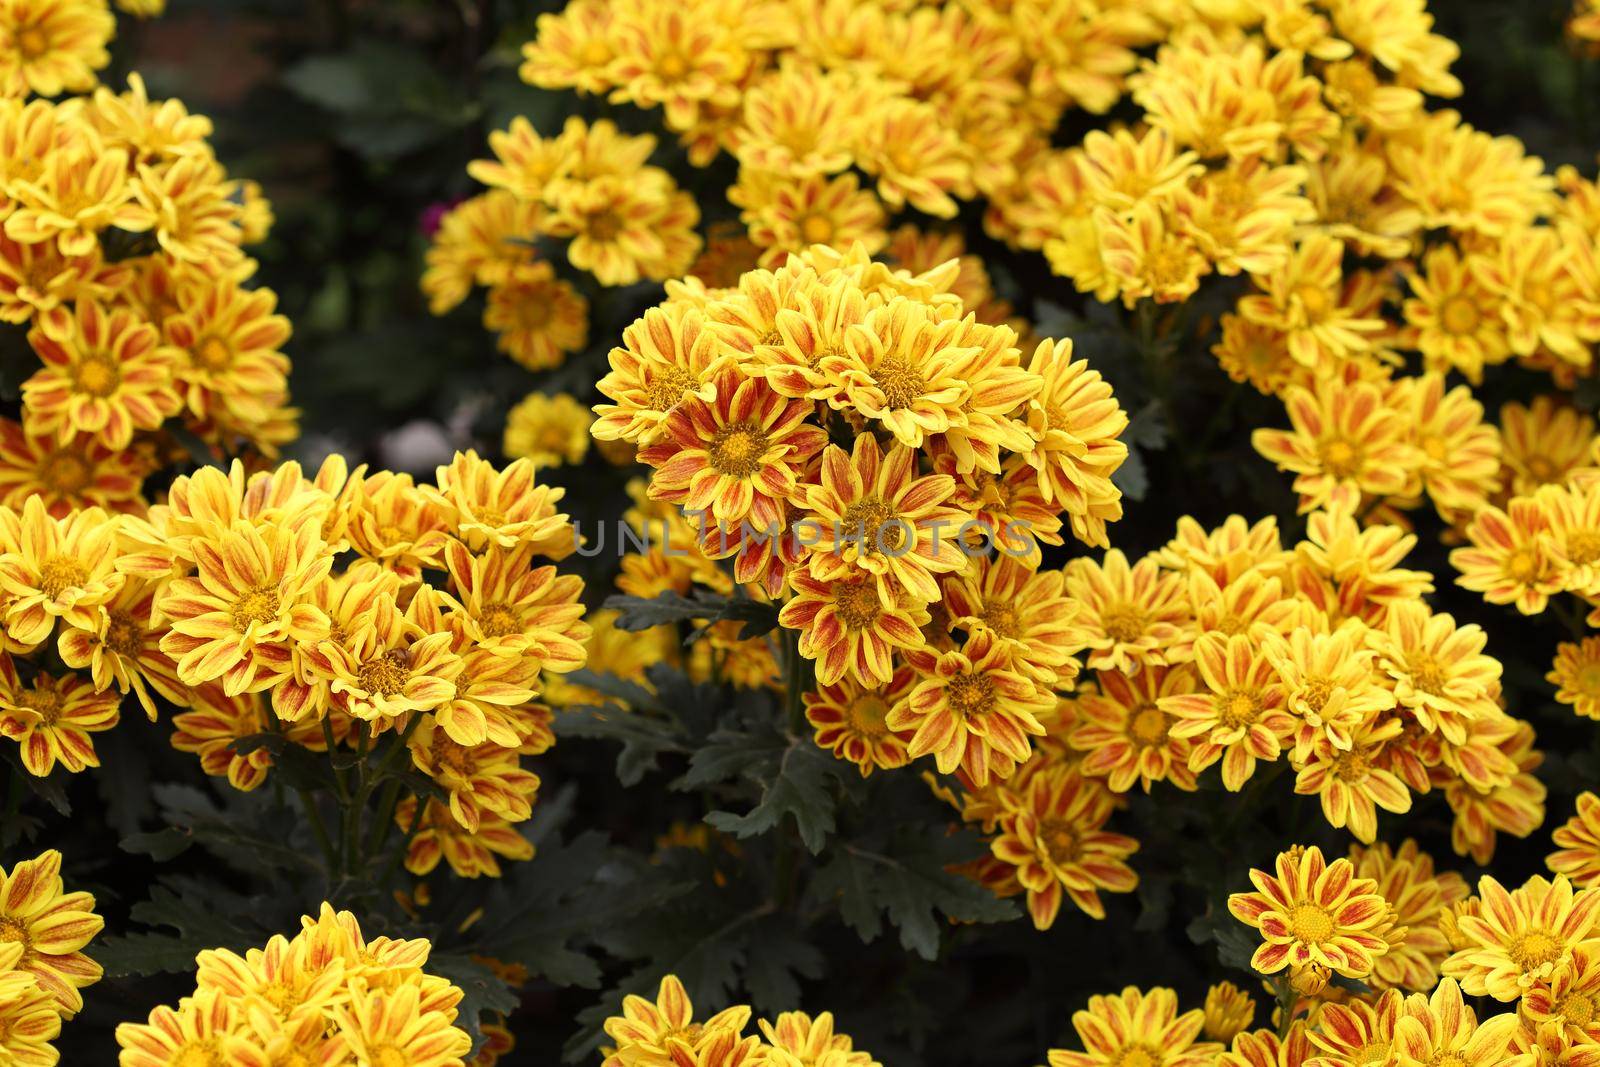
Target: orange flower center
{"type": "Point", "coordinates": [1459, 316]}
{"type": "Point", "coordinates": [1340, 457]}
{"type": "Point", "coordinates": [668, 388]}
{"type": "Point", "coordinates": [1576, 1009]}
{"type": "Point", "coordinates": [1168, 264]}
{"type": "Point", "coordinates": [1061, 844]}
{"type": "Point", "coordinates": [1427, 673]}
{"type": "Point", "coordinates": [869, 522]}
{"type": "Point", "coordinates": [202, 1052]}
{"type": "Point", "coordinates": [60, 573]}
{"type": "Point", "coordinates": [867, 714]}
{"type": "Point", "coordinates": [970, 695]}
{"type": "Point", "coordinates": [1534, 949]}
{"type": "Point", "coordinates": [499, 620]}
{"type": "Point", "coordinates": [1002, 619]}
{"type": "Point", "coordinates": [123, 635]}
{"type": "Point", "coordinates": [857, 605]}
{"type": "Point", "coordinates": [1583, 546]}
{"type": "Point", "coordinates": [1310, 923]}
{"type": "Point", "coordinates": [1523, 565]}
{"type": "Point", "coordinates": [1541, 468]}
{"type": "Point", "coordinates": [258, 605]}
{"type": "Point", "coordinates": [900, 383]}
{"type": "Point", "coordinates": [534, 314]}
{"type": "Point", "coordinates": [816, 229]}
{"type": "Point", "coordinates": [389, 1056]}
{"type": "Point", "coordinates": [46, 702]}
{"type": "Point", "coordinates": [66, 472]}
{"type": "Point", "coordinates": [1315, 693]}
{"type": "Point", "coordinates": [1124, 622]}
{"type": "Point", "coordinates": [672, 66]}
{"type": "Point", "coordinates": [736, 450]}
{"type": "Point", "coordinates": [1587, 679]}
{"type": "Point", "coordinates": [1148, 726]}
{"type": "Point", "coordinates": [1315, 300]}
{"type": "Point", "coordinates": [605, 226]}
{"type": "Point", "coordinates": [1237, 707]}
{"type": "Point", "coordinates": [214, 353]}
{"type": "Point", "coordinates": [32, 42]}
{"type": "Point", "coordinates": [1351, 766]}
{"type": "Point", "coordinates": [14, 931]}
{"type": "Point", "coordinates": [387, 674]}
{"type": "Point", "coordinates": [454, 758]}
{"type": "Point", "coordinates": [97, 375]}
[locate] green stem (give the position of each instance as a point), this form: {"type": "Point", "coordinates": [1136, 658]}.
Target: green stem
{"type": "Point", "coordinates": [405, 844]}
{"type": "Point", "coordinates": [1286, 1002]}
{"type": "Point", "coordinates": [1572, 615]}
{"type": "Point", "coordinates": [391, 791]}
{"type": "Point", "coordinates": [338, 775]}
{"type": "Point", "coordinates": [794, 681]}
{"type": "Point", "coordinates": [351, 838]}
{"type": "Point", "coordinates": [319, 830]}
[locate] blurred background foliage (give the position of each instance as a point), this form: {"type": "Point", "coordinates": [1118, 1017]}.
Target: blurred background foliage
{"type": "Point", "coordinates": [358, 117]}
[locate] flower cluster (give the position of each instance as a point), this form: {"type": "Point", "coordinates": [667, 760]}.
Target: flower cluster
{"type": "Point", "coordinates": [43, 931]}
{"type": "Point", "coordinates": [121, 255]}
{"type": "Point", "coordinates": [1384, 919]}
{"type": "Point", "coordinates": [438, 627]}
{"type": "Point", "coordinates": [964, 461]}
{"type": "Point", "coordinates": [328, 995]}
{"type": "Point", "coordinates": [1535, 549]}
{"type": "Point", "coordinates": [837, 112]}
{"type": "Point", "coordinates": [1226, 648]}
{"type": "Point", "coordinates": [58, 46]}
{"type": "Point", "coordinates": [665, 1031]}
{"type": "Point", "coordinates": [1440, 1027]}
{"type": "Point", "coordinates": [623, 220]}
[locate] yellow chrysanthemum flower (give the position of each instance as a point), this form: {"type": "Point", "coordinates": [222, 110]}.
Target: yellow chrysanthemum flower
{"type": "Point", "coordinates": [1521, 936]}
{"type": "Point", "coordinates": [1137, 1025]}
{"type": "Point", "coordinates": [52, 926]}
{"type": "Point", "coordinates": [1229, 1011]}
{"type": "Point", "coordinates": [52, 46]}
{"type": "Point", "coordinates": [1578, 844]}
{"type": "Point", "coordinates": [548, 430]}
{"type": "Point", "coordinates": [972, 709]}
{"type": "Point", "coordinates": [51, 719]}
{"type": "Point", "coordinates": [1314, 913]}
{"type": "Point", "coordinates": [1576, 676]}
{"type": "Point", "coordinates": [108, 377]}
{"type": "Point", "coordinates": [538, 317]}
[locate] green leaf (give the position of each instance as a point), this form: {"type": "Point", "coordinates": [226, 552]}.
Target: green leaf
{"type": "Point", "coordinates": [643, 738]}
{"type": "Point", "coordinates": [670, 608]}
{"type": "Point", "coordinates": [561, 898]}
{"type": "Point", "coordinates": [484, 992]}
{"type": "Point", "coordinates": [161, 846]}
{"type": "Point", "coordinates": [334, 82]}
{"type": "Point", "coordinates": [237, 833]}
{"type": "Point", "coordinates": [908, 886]}
{"type": "Point", "coordinates": [794, 776]}
{"type": "Point", "coordinates": [197, 911]}
{"type": "Point", "coordinates": [1236, 943]}
{"type": "Point", "coordinates": [783, 956]}
{"type": "Point", "coordinates": [140, 955]}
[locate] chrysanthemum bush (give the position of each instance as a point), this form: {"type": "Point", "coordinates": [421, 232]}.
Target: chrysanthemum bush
{"type": "Point", "coordinates": [1040, 528]}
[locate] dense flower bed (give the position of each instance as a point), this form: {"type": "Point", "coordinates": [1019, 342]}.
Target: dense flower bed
{"type": "Point", "coordinates": [1048, 529]}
